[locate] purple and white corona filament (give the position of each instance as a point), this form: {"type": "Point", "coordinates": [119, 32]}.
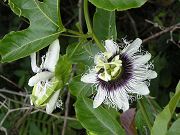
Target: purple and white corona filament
{"type": "Point", "coordinates": [119, 74]}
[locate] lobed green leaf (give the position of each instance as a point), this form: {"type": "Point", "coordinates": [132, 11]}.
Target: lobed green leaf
{"type": "Point", "coordinates": [45, 27]}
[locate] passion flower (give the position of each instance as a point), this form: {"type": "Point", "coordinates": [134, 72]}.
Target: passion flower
{"type": "Point", "coordinates": [119, 74]}
{"type": "Point", "coordinates": [45, 92]}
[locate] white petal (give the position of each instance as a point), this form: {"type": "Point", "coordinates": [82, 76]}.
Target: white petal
{"type": "Point", "coordinates": [111, 46]}
{"type": "Point", "coordinates": [133, 47]}
{"type": "Point", "coordinates": [151, 74]}
{"type": "Point", "coordinates": [121, 100]}
{"type": "Point", "coordinates": [143, 74]}
{"type": "Point", "coordinates": [89, 78]}
{"type": "Point", "coordinates": [50, 106]}
{"type": "Point", "coordinates": [125, 106]}
{"type": "Point", "coordinates": [34, 67]}
{"type": "Point", "coordinates": [97, 58]}
{"type": "Point", "coordinates": [99, 98]}
{"type": "Point", "coordinates": [143, 59]}
{"type": "Point", "coordinates": [115, 100]}
{"type": "Point", "coordinates": [42, 76]}
{"type": "Point", "coordinates": [141, 89]}
{"type": "Point", "coordinates": [52, 56]}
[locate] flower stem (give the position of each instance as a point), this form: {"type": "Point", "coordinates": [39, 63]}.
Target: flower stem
{"type": "Point", "coordinates": [145, 115]}
{"type": "Point", "coordinates": [86, 16]}
{"type": "Point", "coordinates": [67, 35]}
{"type": "Point", "coordinates": [101, 47]}
{"type": "Point", "coordinates": [89, 27]}
{"type": "Point", "coordinates": [74, 32]}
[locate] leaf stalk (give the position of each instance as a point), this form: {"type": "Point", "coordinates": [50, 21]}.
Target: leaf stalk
{"type": "Point", "coordinates": [89, 27]}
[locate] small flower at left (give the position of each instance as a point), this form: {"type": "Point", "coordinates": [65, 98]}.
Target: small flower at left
{"type": "Point", "coordinates": [45, 93]}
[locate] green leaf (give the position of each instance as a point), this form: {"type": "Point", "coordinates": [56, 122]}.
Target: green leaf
{"type": "Point", "coordinates": [117, 4]}
{"type": "Point", "coordinates": [63, 69]}
{"type": "Point", "coordinates": [104, 24]}
{"type": "Point", "coordinates": [74, 124]}
{"type": "Point", "coordinates": [151, 110]}
{"type": "Point", "coordinates": [162, 120]}
{"type": "Point", "coordinates": [140, 123]}
{"type": "Point", "coordinates": [82, 52]}
{"type": "Point", "coordinates": [171, 94]}
{"type": "Point", "coordinates": [178, 87]}
{"type": "Point", "coordinates": [45, 27]}
{"type": "Point", "coordinates": [78, 88]}
{"type": "Point", "coordinates": [174, 129]}
{"type": "Point", "coordinates": [77, 53]}
{"type": "Point", "coordinates": [98, 121]}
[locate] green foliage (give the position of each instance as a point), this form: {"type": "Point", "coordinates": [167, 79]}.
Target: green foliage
{"type": "Point", "coordinates": [45, 27]}
{"type": "Point", "coordinates": [80, 41]}
{"type": "Point", "coordinates": [117, 4]}
{"type": "Point", "coordinates": [174, 129]}
{"type": "Point", "coordinates": [162, 120]}
{"type": "Point", "coordinates": [152, 109]}
{"type": "Point", "coordinates": [140, 123]}
{"type": "Point", "coordinates": [98, 121]}
{"type": "Point", "coordinates": [63, 70]}
{"type": "Point", "coordinates": [78, 88]}
{"type": "Point", "coordinates": [82, 52]}
{"type": "Point", "coordinates": [105, 29]}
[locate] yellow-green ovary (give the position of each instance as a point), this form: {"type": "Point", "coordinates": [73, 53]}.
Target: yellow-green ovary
{"type": "Point", "coordinates": [111, 70]}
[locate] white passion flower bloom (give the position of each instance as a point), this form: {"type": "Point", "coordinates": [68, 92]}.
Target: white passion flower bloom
{"type": "Point", "coordinates": [44, 93]}
{"type": "Point", "coordinates": [120, 74]}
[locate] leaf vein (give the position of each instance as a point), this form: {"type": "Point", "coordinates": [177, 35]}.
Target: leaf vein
{"type": "Point", "coordinates": [45, 14]}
